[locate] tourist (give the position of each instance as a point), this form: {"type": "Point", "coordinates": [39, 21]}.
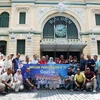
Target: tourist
{"type": "Point", "coordinates": [90, 80]}
{"type": "Point", "coordinates": [18, 81]}
{"type": "Point", "coordinates": [8, 62]}
{"type": "Point", "coordinates": [62, 60]}
{"type": "Point", "coordinates": [27, 60]}
{"type": "Point", "coordinates": [70, 60]}
{"type": "Point", "coordinates": [28, 82]}
{"type": "Point", "coordinates": [90, 63]}
{"type": "Point", "coordinates": [57, 60]}
{"type": "Point", "coordinates": [12, 55]}
{"type": "Point", "coordinates": [69, 82]}
{"type": "Point", "coordinates": [35, 60]}
{"type": "Point", "coordinates": [15, 63]}
{"type": "Point", "coordinates": [79, 80]}
{"type": "Point", "coordinates": [83, 63]}
{"type": "Point", "coordinates": [97, 63]}
{"type": "Point", "coordinates": [51, 61]}
{"type": "Point", "coordinates": [6, 81]}
{"type": "Point", "coordinates": [42, 61]}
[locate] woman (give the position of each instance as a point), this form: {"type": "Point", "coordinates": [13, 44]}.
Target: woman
{"type": "Point", "coordinates": [51, 61]}
{"type": "Point", "coordinates": [18, 81]}
{"type": "Point", "coordinates": [8, 62]}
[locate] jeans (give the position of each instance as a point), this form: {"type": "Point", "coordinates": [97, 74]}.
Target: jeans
{"type": "Point", "coordinates": [98, 80]}
{"type": "Point", "coordinates": [69, 85]}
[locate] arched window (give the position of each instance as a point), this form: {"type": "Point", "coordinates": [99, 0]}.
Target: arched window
{"type": "Point", "coordinates": [60, 27]}
{"type": "Point", "coordinates": [4, 19]}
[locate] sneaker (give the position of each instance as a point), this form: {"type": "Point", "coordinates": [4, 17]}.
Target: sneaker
{"type": "Point", "coordinates": [94, 91]}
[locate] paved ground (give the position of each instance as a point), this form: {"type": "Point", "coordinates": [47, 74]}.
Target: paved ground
{"type": "Point", "coordinates": [52, 95]}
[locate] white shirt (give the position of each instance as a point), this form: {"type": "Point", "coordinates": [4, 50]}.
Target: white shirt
{"type": "Point", "coordinates": [1, 66]}
{"type": "Point", "coordinates": [5, 77]}
{"type": "Point", "coordinates": [26, 62]}
{"type": "Point", "coordinates": [35, 61]}
{"type": "Point", "coordinates": [8, 64]}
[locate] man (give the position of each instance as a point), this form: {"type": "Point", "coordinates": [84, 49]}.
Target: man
{"type": "Point", "coordinates": [15, 62]}
{"type": "Point", "coordinates": [27, 60]}
{"type": "Point", "coordinates": [83, 63]}
{"type": "Point", "coordinates": [79, 80]}
{"type": "Point", "coordinates": [12, 55]}
{"type": "Point", "coordinates": [90, 63]}
{"type": "Point", "coordinates": [5, 81]}
{"type": "Point", "coordinates": [90, 79]}
{"type": "Point", "coordinates": [69, 82]}
{"type": "Point", "coordinates": [62, 60]}
{"type": "Point", "coordinates": [70, 60]}
{"type": "Point", "coordinates": [42, 61]}
{"type": "Point", "coordinates": [97, 63]}
{"type": "Point", "coordinates": [28, 82]}
{"type": "Point", "coordinates": [35, 60]}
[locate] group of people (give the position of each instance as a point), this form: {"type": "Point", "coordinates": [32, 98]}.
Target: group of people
{"type": "Point", "coordinates": [83, 74]}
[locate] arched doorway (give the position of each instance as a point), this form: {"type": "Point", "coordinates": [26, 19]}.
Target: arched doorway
{"type": "Point", "coordinates": [58, 35]}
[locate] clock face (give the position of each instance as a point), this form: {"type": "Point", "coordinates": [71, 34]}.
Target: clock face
{"type": "Point", "coordinates": [60, 30]}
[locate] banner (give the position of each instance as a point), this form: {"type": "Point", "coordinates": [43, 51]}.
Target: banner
{"type": "Point", "coordinates": [47, 69]}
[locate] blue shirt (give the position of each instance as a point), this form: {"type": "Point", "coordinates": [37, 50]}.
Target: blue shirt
{"type": "Point", "coordinates": [90, 63]}
{"type": "Point", "coordinates": [26, 76]}
{"type": "Point", "coordinates": [83, 62]}
{"type": "Point", "coordinates": [16, 62]}
{"type": "Point", "coordinates": [97, 64]}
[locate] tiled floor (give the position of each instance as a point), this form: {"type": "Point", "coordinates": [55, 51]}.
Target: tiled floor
{"type": "Point", "coordinates": [59, 94]}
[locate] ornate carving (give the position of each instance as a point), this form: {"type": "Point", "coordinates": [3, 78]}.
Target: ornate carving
{"type": "Point", "coordinates": [41, 11]}
{"type": "Point", "coordinates": [60, 7]}
{"type": "Point", "coordinates": [78, 11]}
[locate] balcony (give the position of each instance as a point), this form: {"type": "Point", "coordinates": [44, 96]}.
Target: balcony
{"type": "Point", "coordinates": [61, 44]}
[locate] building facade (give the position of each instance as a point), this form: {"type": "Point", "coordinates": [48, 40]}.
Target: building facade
{"type": "Point", "coordinates": [52, 27]}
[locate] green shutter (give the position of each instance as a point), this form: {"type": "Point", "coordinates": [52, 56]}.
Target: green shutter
{"type": "Point", "coordinates": [21, 46]}
{"type": "Point", "coordinates": [22, 18]}
{"type": "Point", "coordinates": [98, 47]}
{"type": "Point", "coordinates": [4, 19]}
{"type": "Point", "coordinates": [97, 18]}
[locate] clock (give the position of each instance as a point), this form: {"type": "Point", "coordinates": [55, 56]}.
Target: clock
{"type": "Point", "coordinates": [60, 30]}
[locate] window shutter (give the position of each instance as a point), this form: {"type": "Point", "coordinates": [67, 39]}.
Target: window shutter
{"type": "Point", "coordinates": [22, 18]}
{"type": "Point", "coordinates": [21, 46]}
{"type": "Point", "coordinates": [97, 18]}
{"type": "Point", "coordinates": [4, 20]}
